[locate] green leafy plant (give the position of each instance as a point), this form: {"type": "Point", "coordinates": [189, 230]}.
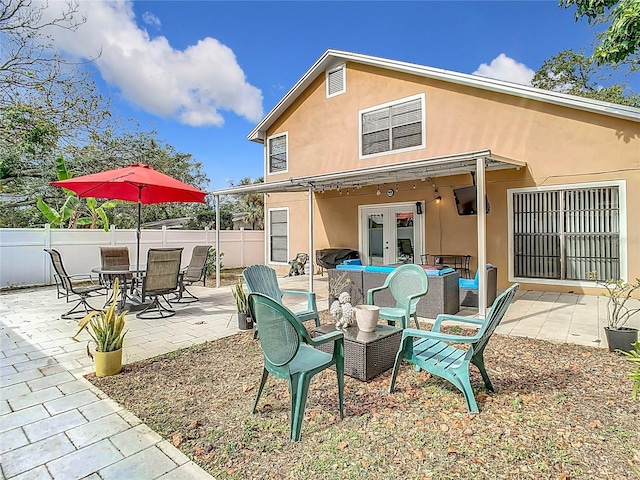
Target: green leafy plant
{"type": "Point", "coordinates": [97, 214]}
{"type": "Point", "coordinates": [106, 328]}
{"type": "Point", "coordinates": [618, 293]}
{"type": "Point", "coordinates": [634, 357]}
{"type": "Point", "coordinates": [241, 299]}
{"type": "Point", "coordinates": [70, 210]}
{"type": "Point", "coordinates": [211, 262]}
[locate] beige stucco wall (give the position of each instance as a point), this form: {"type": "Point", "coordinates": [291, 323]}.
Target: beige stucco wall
{"type": "Point", "coordinates": [560, 146]}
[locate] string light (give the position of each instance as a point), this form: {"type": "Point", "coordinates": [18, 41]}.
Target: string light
{"type": "Point", "coordinates": [414, 185]}
{"type": "Point", "coordinates": [378, 191]}
{"type": "Point", "coordinates": [396, 187]}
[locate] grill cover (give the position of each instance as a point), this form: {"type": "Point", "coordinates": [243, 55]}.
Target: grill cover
{"type": "Point", "coordinates": [330, 257]}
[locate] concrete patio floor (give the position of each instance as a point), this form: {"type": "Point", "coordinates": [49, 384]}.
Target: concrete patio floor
{"type": "Point", "coordinates": [55, 425]}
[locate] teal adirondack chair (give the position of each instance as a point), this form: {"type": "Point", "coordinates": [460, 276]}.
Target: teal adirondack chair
{"type": "Point", "coordinates": [263, 279]}
{"type": "Point", "coordinates": [289, 354]}
{"type": "Point", "coordinates": [407, 284]}
{"type": "Point", "coordinates": [432, 352]}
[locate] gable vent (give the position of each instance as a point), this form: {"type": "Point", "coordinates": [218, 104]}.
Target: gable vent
{"type": "Point", "coordinates": [336, 81]}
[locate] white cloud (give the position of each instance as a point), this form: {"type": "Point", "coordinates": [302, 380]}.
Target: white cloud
{"type": "Point", "coordinates": [193, 85]}
{"type": "Point", "coordinates": [505, 68]}
{"type": "Point", "coordinates": [150, 19]}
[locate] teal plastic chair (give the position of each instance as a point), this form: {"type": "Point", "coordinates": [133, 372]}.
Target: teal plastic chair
{"type": "Point", "coordinates": [263, 279]}
{"type": "Point", "coordinates": [289, 354]}
{"type": "Point", "coordinates": [431, 350]}
{"type": "Point", "coordinates": [407, 284]}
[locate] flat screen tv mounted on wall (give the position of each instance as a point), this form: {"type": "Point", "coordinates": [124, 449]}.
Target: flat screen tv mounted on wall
{"type": "Point", "coordinates": [466, 200]}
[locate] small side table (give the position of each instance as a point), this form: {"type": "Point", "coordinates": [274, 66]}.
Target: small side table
{"type": "Point", "coordinates": [366, 354]}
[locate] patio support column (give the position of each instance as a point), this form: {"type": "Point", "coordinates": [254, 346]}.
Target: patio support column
{"type": "Point", "coordinates": [482, 236]}
{"type": "Point", "coordinates": [311, 239]}
{"type": "Point", "coordinates": [217, 200]}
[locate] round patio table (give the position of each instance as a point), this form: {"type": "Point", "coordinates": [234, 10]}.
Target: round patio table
{"type": "Point", "coordinates": [129, 300]}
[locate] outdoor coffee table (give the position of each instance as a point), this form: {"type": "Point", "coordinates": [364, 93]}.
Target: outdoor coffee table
{"type": "Point", "coordinates": [366, 354]}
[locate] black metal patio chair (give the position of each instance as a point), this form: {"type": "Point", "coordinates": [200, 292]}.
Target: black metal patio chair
{"type": "Point", "coordinates": [72, 287]}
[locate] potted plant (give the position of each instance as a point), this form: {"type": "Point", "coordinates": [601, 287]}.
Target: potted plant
{"type": "Point", "coordinates": [619, 335]}
{"type": "Point", "coordinates": [107, 332]}
{"type": "Point", "coordinates": [242, 305]}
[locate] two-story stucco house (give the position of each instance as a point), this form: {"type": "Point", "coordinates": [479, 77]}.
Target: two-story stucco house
{"type": "Point", "coordinates": [367, 153]}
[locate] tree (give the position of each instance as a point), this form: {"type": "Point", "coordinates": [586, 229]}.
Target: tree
{"type": "Point", "coordinates": [49, 107]}
{"type": "Point", "coordinates": [33, 73]}
{"type": "Point", "coordinates": [573, 73]}
{"type": "Point", "coordinates": [112, 150]}
{"type": "Point", "coordinates": [251, 204]}
{"type": "Point", "coordinates": [71, 210]}
{"type": "Point", "coordinates": [621, 40]}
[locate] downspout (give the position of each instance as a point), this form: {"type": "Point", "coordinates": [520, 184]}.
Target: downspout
{"type": "Point", "coordinates": [217, 197]}
{"type": "Point", "coordinates": [481, 201]}
{"type": "Point", "coordinates": [311, 239]}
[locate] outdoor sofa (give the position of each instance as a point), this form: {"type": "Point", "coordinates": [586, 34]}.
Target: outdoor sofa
{"type": "Point", "coordinates": [442, 295]}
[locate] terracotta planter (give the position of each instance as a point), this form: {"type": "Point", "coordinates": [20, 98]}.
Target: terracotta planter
{"type": "Point", "coordinates": [367, 317]}
{"type": "Point", "coordinates": [621, 339]}
{"type": "Point", "coordinates": [108, 363]}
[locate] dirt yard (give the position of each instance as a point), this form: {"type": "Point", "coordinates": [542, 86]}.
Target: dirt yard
{"type": "Point", "coordinates": [558, 412]}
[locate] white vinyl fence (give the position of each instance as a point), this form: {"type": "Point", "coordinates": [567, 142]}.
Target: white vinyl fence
{"type": "Point", "coordinates": [23, 261]}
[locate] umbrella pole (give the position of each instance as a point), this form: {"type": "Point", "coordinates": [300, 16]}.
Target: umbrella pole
{"type": "Point", "coordinates": [138, 237]}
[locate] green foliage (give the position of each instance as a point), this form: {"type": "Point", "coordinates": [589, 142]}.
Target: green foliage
{"type": "Point", "coordinates": [621, 39]}
{"type": "Point", "coordinates": [251, 205]}
{"type": "Point", "coordinates": [618, 293]}
{"type": "Point", "coordinates": [634, 357]}
{"type": "Point", "coordinates": [210, 266]}
{"type": "Point", "coordinates": [106, 328]}
{"type": "Point", "coordinates": [97, 214]}
{"type": "Point", "coordinates": [242, 304]}
{"type": "Point", "coordinates": [70, 210]}
{"type": "Point", "coordinates": [575, 74]}
{"type": "Point", "coordinates": [49, 108]}
{"type": "Point", "coordinates": [59, 218]}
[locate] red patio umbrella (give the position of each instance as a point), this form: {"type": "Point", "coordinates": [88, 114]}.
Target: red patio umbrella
{"type": "Point", "coordinates": [137, 183]}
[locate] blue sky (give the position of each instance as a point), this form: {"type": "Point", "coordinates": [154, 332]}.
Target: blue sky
{"type": "Point", "coordinates": [203, 73]}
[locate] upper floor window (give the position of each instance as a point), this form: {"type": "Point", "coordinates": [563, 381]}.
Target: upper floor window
{"type": "Point", "coordinates": [336, 81]}
{"type": "Point", "coordinates": [393, 126]}
{"type": "Point", "coordinates": [278, 153]}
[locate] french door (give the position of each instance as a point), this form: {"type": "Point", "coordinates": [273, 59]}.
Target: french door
{"type": "Point", "coordinates": [390, 234]}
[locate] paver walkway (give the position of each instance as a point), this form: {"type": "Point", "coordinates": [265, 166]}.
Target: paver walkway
{"type": "Point", "coordinates": [55, 425]}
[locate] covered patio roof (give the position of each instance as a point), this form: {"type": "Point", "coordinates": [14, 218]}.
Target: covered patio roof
{"type": "Point", "coordinates": [382, 174]}
{"type": "Point", "coordinates": [478, 161]}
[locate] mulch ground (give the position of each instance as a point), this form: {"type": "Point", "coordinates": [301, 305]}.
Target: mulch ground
{"type": "Point", "coordinates": [558, 412]}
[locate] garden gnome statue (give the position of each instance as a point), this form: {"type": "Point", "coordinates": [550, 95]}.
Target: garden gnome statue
{"type": "Point", "coordinates": [342, 310]}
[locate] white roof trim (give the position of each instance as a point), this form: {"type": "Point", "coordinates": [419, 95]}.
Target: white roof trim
{"type": "Point", "coordinates": [382, 174]}
{"type": "Point", "coordinates": [332, 58]}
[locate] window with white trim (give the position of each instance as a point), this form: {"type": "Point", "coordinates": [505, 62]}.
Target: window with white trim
{"type": "Point", "coordinates": [278, 153]}
{"type": "Point", "coordinates": [565, 233]}
{"type": "Point", "coordinates": [336, 81]}
{"type": "Point", "coordinates": [279, 235]}
{"type": "Point", "coordinates": [395, 126]}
